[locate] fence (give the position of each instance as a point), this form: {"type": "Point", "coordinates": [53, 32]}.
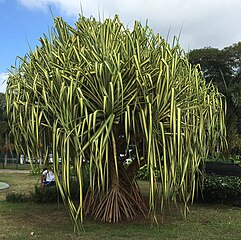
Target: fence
{"type": "Point", "coordinates": [11, 160]}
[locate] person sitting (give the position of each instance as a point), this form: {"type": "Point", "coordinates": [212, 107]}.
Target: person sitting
{"type": "Point", "coordinates": [47, 178]}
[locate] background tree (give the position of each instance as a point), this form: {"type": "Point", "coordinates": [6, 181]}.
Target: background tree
{"type": "Point", "coordinates": [5, 146]}
{"type": "Point", "coordinates": [222, 67]}
{"type": "Point", "coordinates": [97, 92]}
{"type": "Point", "coordinates": [215, 66]}
{"type": "Point", "coordinates": [3, 119]}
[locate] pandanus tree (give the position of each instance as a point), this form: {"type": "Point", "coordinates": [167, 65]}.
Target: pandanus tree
{"type": "Point", "coordinates": [99, 91]}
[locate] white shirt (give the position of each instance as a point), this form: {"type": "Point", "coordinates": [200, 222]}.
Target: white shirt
{"type": "Point", "coordinates": [49, 175]}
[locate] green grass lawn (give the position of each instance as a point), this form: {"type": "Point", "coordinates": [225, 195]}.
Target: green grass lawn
{"type": "Point", "coordinates": [18, 182]}
{"type": "Point", "coordinates": [47, 221]}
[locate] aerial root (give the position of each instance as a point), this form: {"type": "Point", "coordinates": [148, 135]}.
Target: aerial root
{"type": "Point", "coordinates": [115, 205]}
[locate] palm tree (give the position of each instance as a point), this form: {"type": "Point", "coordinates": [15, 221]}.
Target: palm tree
{"type": "Point", "coordinates": [99, 91]}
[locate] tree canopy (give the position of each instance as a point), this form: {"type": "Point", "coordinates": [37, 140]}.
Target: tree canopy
{"type": "Point", "coordinates": [99, 91]}
{"type": "Point", "coordinates": [223, 67]}
{"type": "Point", "coordinates": [3, 123]}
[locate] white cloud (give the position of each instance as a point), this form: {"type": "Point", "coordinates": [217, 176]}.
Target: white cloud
{"type": "Point", "coordinates": [3, 82]}
{"type": "Point", "coordinates": [203, 22]}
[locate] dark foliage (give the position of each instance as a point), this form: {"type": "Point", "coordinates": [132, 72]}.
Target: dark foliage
{"type": "Point", "coordinates": [221, 189]}
{"type": "Point", "coordinates": [144, 173]}
{"type": "Point", "coordinates": [46, 195]}
{"type": "Point", "coordinates": [16, 197]}
{"type": "Point", "coordinates": [51, 194]}
{"type": "Point", "coordinates": [223, 68]}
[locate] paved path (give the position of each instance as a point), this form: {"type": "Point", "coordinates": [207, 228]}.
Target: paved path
{"type": "Point", "coordinates": [13, 171]}
{"type": "Point", "coordinates": [3, 185]}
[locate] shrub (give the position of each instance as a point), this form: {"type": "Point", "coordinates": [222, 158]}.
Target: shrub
{"type": "Point", "coordinates": [144, 173]}
{"type": "Point", "coordinates": [222, 189]}
{"type": "Point", "coordinates": [74, 183]}
{"type": "Point", "coordinates": [46, 195]}
{"type": "Point", "coordinates": [51, 194]}
{"type": "Point", "coordinates": [16, 197]}
{"type": "Point", "coordinates": [236, 159]}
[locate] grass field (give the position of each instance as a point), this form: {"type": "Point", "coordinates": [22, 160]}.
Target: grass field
{"type": "Point", "coordinates": [47, 221]}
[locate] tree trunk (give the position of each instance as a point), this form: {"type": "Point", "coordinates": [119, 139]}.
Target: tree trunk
{"type": "Point", "coordinates": [123, 200]}
{"type": "Point", "coordinates": [6, 154]}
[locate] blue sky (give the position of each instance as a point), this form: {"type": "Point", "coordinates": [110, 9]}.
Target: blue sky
{"type": "Point", "coordinates": [202, 23]}
{"type": "Point", "coordinates": [21, 28]}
